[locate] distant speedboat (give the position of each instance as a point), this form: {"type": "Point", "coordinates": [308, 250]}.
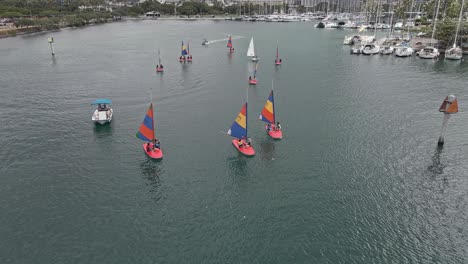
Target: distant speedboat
{"type": "Point", "coordinates": [104, 112]}
{"type": "Point", "coordinates": [205, 42]}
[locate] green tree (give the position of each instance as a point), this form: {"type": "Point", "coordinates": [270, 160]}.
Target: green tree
{"type": "Point", "coordinates": [11, 14]}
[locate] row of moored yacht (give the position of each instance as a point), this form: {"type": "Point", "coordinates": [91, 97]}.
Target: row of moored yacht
{"type": "Point", "coordinates": [368, 45]}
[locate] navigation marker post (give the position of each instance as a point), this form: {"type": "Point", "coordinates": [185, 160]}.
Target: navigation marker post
{"type": "Point", "coordinates": [449, 106]}
{"type": "Point", "coordinates": [51, 42]}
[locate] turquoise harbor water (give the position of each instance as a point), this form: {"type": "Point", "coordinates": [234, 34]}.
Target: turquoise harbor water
{"type": "Point", "coordinates": [358, 177]}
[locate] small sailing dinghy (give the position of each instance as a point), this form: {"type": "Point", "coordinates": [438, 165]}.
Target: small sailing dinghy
{"type": "Point", "coordinates": [278, 60]}
{"type": "Point", "coordinates": [238, 130]}
{"type": "Point", "coordinates": [146, 133]}
{"type": "Point", "coordinates": [159, 67]}
{"type": "Point", "coordinates": [189, 55]}
{"type": "Point", "coordinates": [183, 53]}
{"type": "Point", "coordinates": [104, 112]}
{"type": "Point", "coordinates": [229, 45]}
{"type": "Point", "coordinates": [253, 81]}
{"type": "Point", "coordinates": [251, 51]}
{"type": "Point", "coordinates": [267, 115]}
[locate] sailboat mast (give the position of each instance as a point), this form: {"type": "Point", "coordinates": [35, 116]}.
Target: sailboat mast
{"type": "Point", "coordinates": [458, 26]}
{"type": "Point", "coordinates": [435, 20]}
{"type": "Point", "coordinates": [376, 17]}
{"type": "Point", "coordinates": [391, 25]}
{"type": "Point", "coordinates": [159, 55]}
{"type": "Point", "coordinates": [411, 15]}
{"type": "Point", "coordinates": [246, 114]}
{"type": "Point", "coordinates": [152, 110]}
{"type": "Point", "coordinates": [277, 55]}
{"type": "Point", "coordinates": [273, 106]}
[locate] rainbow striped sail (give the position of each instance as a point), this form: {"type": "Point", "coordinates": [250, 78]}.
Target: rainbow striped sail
{"type": "Point", "coordinates": [229, 44]}
{"type": "Point", "coordinates": [268, 111]}
{"type": "Point", "coordinates": [146, 131]}
{"type": "Point", "coordinates": [184, 49]}
{"type": "Point", "coordinates": [239, 127]}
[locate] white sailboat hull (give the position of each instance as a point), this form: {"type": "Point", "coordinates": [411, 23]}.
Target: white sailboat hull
{"type": "Point", "coordinates": [454, 54]}
{"type": "Point", "coordinates": [429, 53]}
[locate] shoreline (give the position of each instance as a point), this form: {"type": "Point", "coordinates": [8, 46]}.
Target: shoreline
{"type": "Point", "coordinates": [14, 32]}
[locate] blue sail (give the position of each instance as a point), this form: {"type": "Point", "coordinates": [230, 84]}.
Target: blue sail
{"type": "Point", "coordinates": [239, 127]}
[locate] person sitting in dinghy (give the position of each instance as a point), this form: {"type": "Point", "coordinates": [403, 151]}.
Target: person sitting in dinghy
{"type": "Point", "coordinates": [250, 78]}
{"type": "Point", "coordinates": [278, 126]}
{"type": "Point", "coordinates": [269, 127]}
{"type": "Point", "coordinates": [240, 143]}
{"type": "Point", "coordinates": [148, 147]}
{"type": "Point", "coordinates": [157, 144]}
{"type": "Point", "coordinates": [161, 66]}
{"type": "Point", "coordinates": [248, 144]}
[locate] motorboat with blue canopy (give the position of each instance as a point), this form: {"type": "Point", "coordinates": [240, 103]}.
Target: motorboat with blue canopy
{"type": "Point", "coordinates": [103, 113]}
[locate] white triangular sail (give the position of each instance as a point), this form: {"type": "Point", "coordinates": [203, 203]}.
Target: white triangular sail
{"type": "Point", "coordinates": [251, 50]}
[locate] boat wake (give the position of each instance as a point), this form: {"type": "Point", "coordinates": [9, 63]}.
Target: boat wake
{"type": "Point", "coordinates": [225, 39]}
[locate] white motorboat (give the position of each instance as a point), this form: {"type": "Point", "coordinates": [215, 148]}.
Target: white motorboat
{"type": "Point", "coordinates": [326, 24]}
{"type": "Point", "coordinates": [398, 26]}
{"type": "Point", "coordinates": [350, 24]}
{"type": "Point", "coordinates": [370, 49]}
{"type": "Point", "coordinates": [403, 51]}
{"type": "Point", "coordinates": [103, 113]}
{"type": "Point", "coordinates": [351, 39]}
{"type": "Point", "coordinates": [290, 18]}
{"type": "Point", "coordinates": [429, 53]}
{"type": "Point", "coordinates": [387, 50]}
{"type": "Point", "coordinates": [357, 49]}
